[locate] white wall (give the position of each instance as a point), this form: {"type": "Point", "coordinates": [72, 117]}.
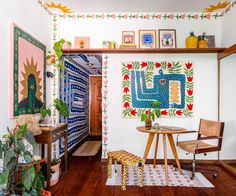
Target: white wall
{"type": "Point", "coordinates": [122, 133]}
{"type": "Point", "coordinates": [34, 20]}
{"type": "Point", "coordinates": [228, 105]}
{"type": "Point", "coordinates": [228, 28]}
{"type": "Point", "coordinates": [111, 29]}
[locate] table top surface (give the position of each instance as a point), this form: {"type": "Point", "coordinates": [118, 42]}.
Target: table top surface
{"type": "Point", "coordinates": [164, 130]}
{"type": "Point", "coordinates": [53, 127]}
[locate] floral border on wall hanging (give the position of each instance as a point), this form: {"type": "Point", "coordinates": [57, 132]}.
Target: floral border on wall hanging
{"type": "Point", "coordinates": [167, 81]}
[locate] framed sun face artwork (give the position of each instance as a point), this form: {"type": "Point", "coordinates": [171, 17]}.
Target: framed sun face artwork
{"type": "Point", "coordinates": [28, 84]}
{"type": "Point", "coordinates": [167, 38]}
{"type": "Point", "coordinates": [147, 38]}
{"type": "Point", "coordinates": [128, 37]}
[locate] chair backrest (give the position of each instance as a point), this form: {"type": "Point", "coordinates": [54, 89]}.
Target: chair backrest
{"type": "Point", "coordinates": [211, 128]}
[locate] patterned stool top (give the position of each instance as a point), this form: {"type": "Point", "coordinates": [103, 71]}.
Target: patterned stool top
{"type": "Point", "coordinates": [125, 157]}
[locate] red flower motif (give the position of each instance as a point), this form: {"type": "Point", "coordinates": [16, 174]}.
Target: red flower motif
{"type": "Point", "coordinates": [126, 90]}
{"type": "Point", "coordinates": [188, 65]}
{"type": "Point", "coordinates": [126, 77]}
{"type": "Point", "coordinates": [164, 112]}
{"type": "Point", "coordinates": [144, 64]}
{"type": "Point", "coordinates": [126, 105]}
{"type": "Point", "coordinates": [169, 65]}
{"type": "Point", "coordinates": [190, 92]}
{"type": "Point", "coordinates": [129, 66]}
{"type": "Point", "coordinates": [157, 65]}
{"type": "Point", "coordinates": [179, 112]}
{"type": "Point", "coordinates": [190, 78]}
{"type": "Point", "coordinates": [190, 106]}
{"type": "Point", "coordinates": [133, 112]}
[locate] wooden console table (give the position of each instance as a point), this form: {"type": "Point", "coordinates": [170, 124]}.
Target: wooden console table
{"type": "Point", "coordinates": [48, 136]}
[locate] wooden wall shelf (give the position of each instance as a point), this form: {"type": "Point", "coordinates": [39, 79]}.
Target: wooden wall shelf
{"type": "Point", "coordinates": [144, 50]}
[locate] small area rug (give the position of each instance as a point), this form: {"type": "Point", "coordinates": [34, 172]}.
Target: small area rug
{"type": "Point", "coordinates": [156, 177]}
{"type": "Point", "coordinates": [88, 148]}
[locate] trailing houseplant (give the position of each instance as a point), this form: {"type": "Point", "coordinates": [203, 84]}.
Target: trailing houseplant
{"type": "Point", "coordinates": [11, 148]}
{"type": "Point", "coordinates": [54, 57]}
{"type": "Point", "coordinates": [59, 105]}
{"type": "Point", "coordinates": [149, 115]}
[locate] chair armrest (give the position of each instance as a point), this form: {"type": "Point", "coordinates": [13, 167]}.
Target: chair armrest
{"type": "Point", "coordinates": [177, 139]}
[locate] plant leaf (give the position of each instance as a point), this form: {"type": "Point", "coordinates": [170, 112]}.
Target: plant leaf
{"type": "Point", "coordinates": [4, 177]}
{"type": "Point", "coordinates": [21, 145]}
{"type": "Point", "coordinates": [28, 177]}
{"type": "Point", "coordinates": [61, 107]}
{"type": "Point", "coordinates": [28, 157]}
{"type": "Point", "coordinates": [20, 133]}
{"type": "Point", "coordinates": [30, 138]}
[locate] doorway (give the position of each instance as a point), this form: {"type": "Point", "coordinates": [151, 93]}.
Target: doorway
{"type": "Point", "coordinates": [95, 106]}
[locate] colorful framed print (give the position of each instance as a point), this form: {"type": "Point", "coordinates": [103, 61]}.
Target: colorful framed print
{"type": "Point", "coordinates": [82, 42]}
{"type": "Point", "coordinates": [167, 38]}
{"type": "Point", "coordinates": [169, 82]}
{"type": "Point", "coordinates": [128, 37]}
{"type": "Point", "coordinates": [28, 81]}
{"type": "Point", "coordinates": [147, 38]}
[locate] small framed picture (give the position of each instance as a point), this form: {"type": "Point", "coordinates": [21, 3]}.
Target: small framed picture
{"type": "Point", "coordinates": [128, 37]}
{"type": "Point", "coordinates": [82, 42]}
{"type": "Point", "coordinates": [147, 38]}
{"type": "Point", "coordinates": [167, 38]}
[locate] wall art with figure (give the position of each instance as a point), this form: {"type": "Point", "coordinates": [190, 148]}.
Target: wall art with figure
{"type": "Point", "coordinates": [170, 82]}
{"type": "Point", "coordinates": [28, 82]}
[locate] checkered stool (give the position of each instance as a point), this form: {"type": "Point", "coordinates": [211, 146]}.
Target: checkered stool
{"type": "Point", "coordinates": [126, 159]}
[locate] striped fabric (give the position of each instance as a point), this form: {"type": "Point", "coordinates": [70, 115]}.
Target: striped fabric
{"type": "Point", "coordinates": [74, 90]}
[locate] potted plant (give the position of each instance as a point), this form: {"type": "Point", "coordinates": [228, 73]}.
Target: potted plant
{"type": "Point", "coordinates": [55, 56]}
{"type": "Point", "coordinates": [149, 115]}
{"type": "Point", "coordinates": [11, 148]}
{"type": "Point", "coordinates": [59, 105]}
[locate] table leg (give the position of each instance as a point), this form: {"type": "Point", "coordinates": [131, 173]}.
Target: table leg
{"type": "Point", "coordinates": [49, 153]}
{"type": "Point", "coordinates": [155, 154]}
{"type": "Point", "coordinates": [172, 144]}
{"type": "Point", "coordinates": [66, 150]}
{"type": "Point", "coordinates": [165, 158]}
{"type": "Point", "coordinates": [148, 145]}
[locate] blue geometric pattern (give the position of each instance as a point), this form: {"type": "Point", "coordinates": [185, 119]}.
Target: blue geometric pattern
{"type": "Point", "coordinates": [74, 90]}
{"type": "Point", "coordinates": [142, 96]}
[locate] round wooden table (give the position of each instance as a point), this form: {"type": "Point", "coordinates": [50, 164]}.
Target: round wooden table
{"type": "Point", "coordinates": [165, 131]}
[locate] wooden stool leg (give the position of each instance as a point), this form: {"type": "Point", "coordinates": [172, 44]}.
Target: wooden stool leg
{"type": "Point", "coordinates": [124, 177]}
{"type": "Point", "coordinates": [109, 167]}
{"type": "Point", "coordinates": [140, 174]}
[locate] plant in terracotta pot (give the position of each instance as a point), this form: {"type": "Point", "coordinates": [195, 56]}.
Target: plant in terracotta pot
{"type": "Point", "coordinates": [59, 105]}
{"type": "Point", "coordinates": [149, 115]}
{"type": "Point", "coordinates": [11, 148]}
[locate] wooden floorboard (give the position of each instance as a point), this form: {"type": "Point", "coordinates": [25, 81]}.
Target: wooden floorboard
{"type": "Point", "coordinates": [86, 176]}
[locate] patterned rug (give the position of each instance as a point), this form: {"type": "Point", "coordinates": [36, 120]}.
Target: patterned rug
{"type": "Point", "coordinates": [88, 148]}
{"type": "Point", "coordinates": [156, 177]}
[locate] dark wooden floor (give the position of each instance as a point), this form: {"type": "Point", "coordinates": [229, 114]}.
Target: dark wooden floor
{"type": "Point", "coordinates": [87, 176]}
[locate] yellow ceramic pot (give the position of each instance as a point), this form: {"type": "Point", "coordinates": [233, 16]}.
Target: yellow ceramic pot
{"type": "Point", "coordinates": [191, 41]}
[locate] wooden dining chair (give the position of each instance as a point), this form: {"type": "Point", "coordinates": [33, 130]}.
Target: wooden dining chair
{"type": "Point", "coordinates": [208, 130]}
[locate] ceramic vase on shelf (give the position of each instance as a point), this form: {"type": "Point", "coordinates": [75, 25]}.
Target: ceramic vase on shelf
{"type": "Point", "coordinates": [191, 41]}
{"type": "Point", "coordinates": [202, 43]}
{"type": "Point", "coordinates": [148, 123]}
